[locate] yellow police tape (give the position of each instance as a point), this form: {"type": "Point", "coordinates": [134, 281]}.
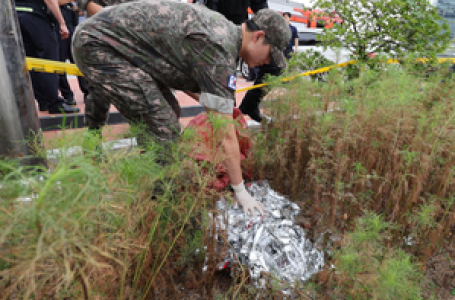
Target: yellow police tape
{"type": "Point", "coordinates": [322, 70]}
{"type": "Point", "coordinates": [49, 66]}
{"type": "Point", "coordinates": [326, 69]}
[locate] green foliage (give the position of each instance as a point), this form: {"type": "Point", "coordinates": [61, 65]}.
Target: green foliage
{"type": "Point", "coordinates": [90, 227]}
{"type": "Point", "coordinates": [395, 27]}
{"type": "Point", "coordinates": [63, 209]}
{"type": "Point", "coordinates": [307, 61]}
{"type": "Point", "coordinates": [367, 269]}
{"type": "Point", "coordinates": [8, 166]}
{"type": "Point", "coordinates": [370, 158]}
{"type": "Point", "coordinates": [381, 142]}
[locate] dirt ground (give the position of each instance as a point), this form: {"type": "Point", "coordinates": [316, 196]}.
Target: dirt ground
{"type": "Point", "coordinates": [439, 279]}
{"type": "Point", "coordinates": [440, 271]}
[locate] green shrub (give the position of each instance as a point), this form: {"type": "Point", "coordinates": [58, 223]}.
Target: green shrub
{"type": "Point", "coordinates": [307, 61]}
{"type": "Point", "coordinates": [367, 269]}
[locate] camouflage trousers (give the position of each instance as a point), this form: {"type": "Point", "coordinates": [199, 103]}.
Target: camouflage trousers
{"type": "Point", "coordinates": [135, 93]}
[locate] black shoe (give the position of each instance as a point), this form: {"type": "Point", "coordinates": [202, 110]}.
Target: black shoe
{"type": "Point", "coordinates": [64, 108]}
{"type": "Point", "coordinates": [42, 107]}
{"type": "Point", "coordinates": [69, 101]}
{"type": "Point", "coordinates": [253, 112]}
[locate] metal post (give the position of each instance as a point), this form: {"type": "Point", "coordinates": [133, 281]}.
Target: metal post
{"type": "Point", "coordinates": [18, 115]}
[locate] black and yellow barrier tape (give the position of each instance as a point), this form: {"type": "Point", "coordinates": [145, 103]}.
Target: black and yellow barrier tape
{"type": "Point", "coordinates": [50, 66]}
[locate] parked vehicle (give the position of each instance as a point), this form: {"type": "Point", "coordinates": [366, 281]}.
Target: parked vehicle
{"type": "Point", "coordinates": [446, 9]}
{"type": "Point", "coordinates": [309, 22]}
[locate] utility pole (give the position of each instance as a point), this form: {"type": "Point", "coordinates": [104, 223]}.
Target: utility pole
{"type": "Point", "coordinates": [18, 116]}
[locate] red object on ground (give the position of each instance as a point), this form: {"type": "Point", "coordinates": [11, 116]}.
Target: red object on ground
{"type": "Point", "coordinates": [207, 147]}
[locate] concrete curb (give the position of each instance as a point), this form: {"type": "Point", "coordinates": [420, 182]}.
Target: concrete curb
{"type": "Point", "coordinates": [54, 154]}
{"type": "Point", "coordinates": [49, 123]}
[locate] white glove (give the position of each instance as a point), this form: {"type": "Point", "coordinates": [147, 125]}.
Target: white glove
{"type": "Point", "coordinates": [248, 203]}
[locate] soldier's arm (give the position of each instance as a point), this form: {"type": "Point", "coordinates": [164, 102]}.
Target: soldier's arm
{"type": "Point", "coordinates": [231, 149]}
{"type": "Point", "coordinates": [219, 99]}
{"type": "Point", "coordinates": [53, 6]}
{"type": "Point", "coordinates": [215, 75]}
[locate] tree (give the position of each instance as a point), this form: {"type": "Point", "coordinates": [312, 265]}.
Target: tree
{"type": "Point", "coordinates": [394, 27]}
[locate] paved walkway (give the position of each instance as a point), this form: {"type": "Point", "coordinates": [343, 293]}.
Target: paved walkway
{"type": "Point", "coordinates": [113, 131]}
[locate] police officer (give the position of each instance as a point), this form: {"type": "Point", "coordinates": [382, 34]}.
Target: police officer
{"type": "Point", "coordinates": [38, 20]}
{"type": "Point", "coordinates": [236, 11]}
{"type": "Point", "coordinates": [133, 54]}
{"type": "Point", "coordinates": [71, 18]}
{"type": "Point", "coordinates": [252, 99]}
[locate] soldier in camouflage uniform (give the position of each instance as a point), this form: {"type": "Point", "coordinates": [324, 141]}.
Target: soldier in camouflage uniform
{"type": "Point", "coordinates": [133, 53]}
{"type": "Point", "coordinates": [92, 7]}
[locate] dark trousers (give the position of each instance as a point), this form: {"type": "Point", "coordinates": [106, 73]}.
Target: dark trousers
{"type": "Point", "coordinates": [287, 53]}
{"type": "Point", "coordinates": [40, 41]}
{"type": "Point", "coordinates": [252, 73]}
{"type": "Point", "coordinates": [253, 97]}
{"type": "Point", "coordinates": [65, 53]}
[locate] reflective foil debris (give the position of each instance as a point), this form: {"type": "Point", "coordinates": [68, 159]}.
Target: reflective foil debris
{"type": "Point", "coordinates": [273, 244]}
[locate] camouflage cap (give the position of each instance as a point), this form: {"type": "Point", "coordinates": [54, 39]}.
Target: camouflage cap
{"type": "Point", "coordinates": [276, 31]}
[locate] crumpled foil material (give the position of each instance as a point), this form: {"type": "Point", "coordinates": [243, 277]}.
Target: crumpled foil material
{"type": "Point", "coordinates": [273, 244]}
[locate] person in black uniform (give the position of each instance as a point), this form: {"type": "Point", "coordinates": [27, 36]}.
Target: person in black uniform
{"type": "Point", "coordinates": [252, 99]}
{"type": "Point", "coordinates": [237, 12]}
{"type": "Point", "coordinates": [71, 17]}
{"type": "Point", "coordinates": [37, 21]}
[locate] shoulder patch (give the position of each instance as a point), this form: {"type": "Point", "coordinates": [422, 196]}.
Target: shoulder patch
{"type": "Point", "coordinates": [232, 82]}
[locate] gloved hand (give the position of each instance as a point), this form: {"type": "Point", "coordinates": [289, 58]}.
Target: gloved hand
{"type": "Point", "coordinates": [246, 200]}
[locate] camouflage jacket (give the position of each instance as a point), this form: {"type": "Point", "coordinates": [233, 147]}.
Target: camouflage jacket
{"type": "Point", "coordinates": [183, 46]}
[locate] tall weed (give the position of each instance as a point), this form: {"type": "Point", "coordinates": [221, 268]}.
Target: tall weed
{"type": "Point", "coordinates": [382, 142]}
{"type": "Point", "coordinates": [113, 225]}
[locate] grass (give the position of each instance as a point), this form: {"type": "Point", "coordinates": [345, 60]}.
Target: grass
{"type": "Point", "coordinates": [381, 143]}
{"type": "Point", "coordinates": [371, 159]}
{"type": "Point", "coordinates": [94, 224]}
